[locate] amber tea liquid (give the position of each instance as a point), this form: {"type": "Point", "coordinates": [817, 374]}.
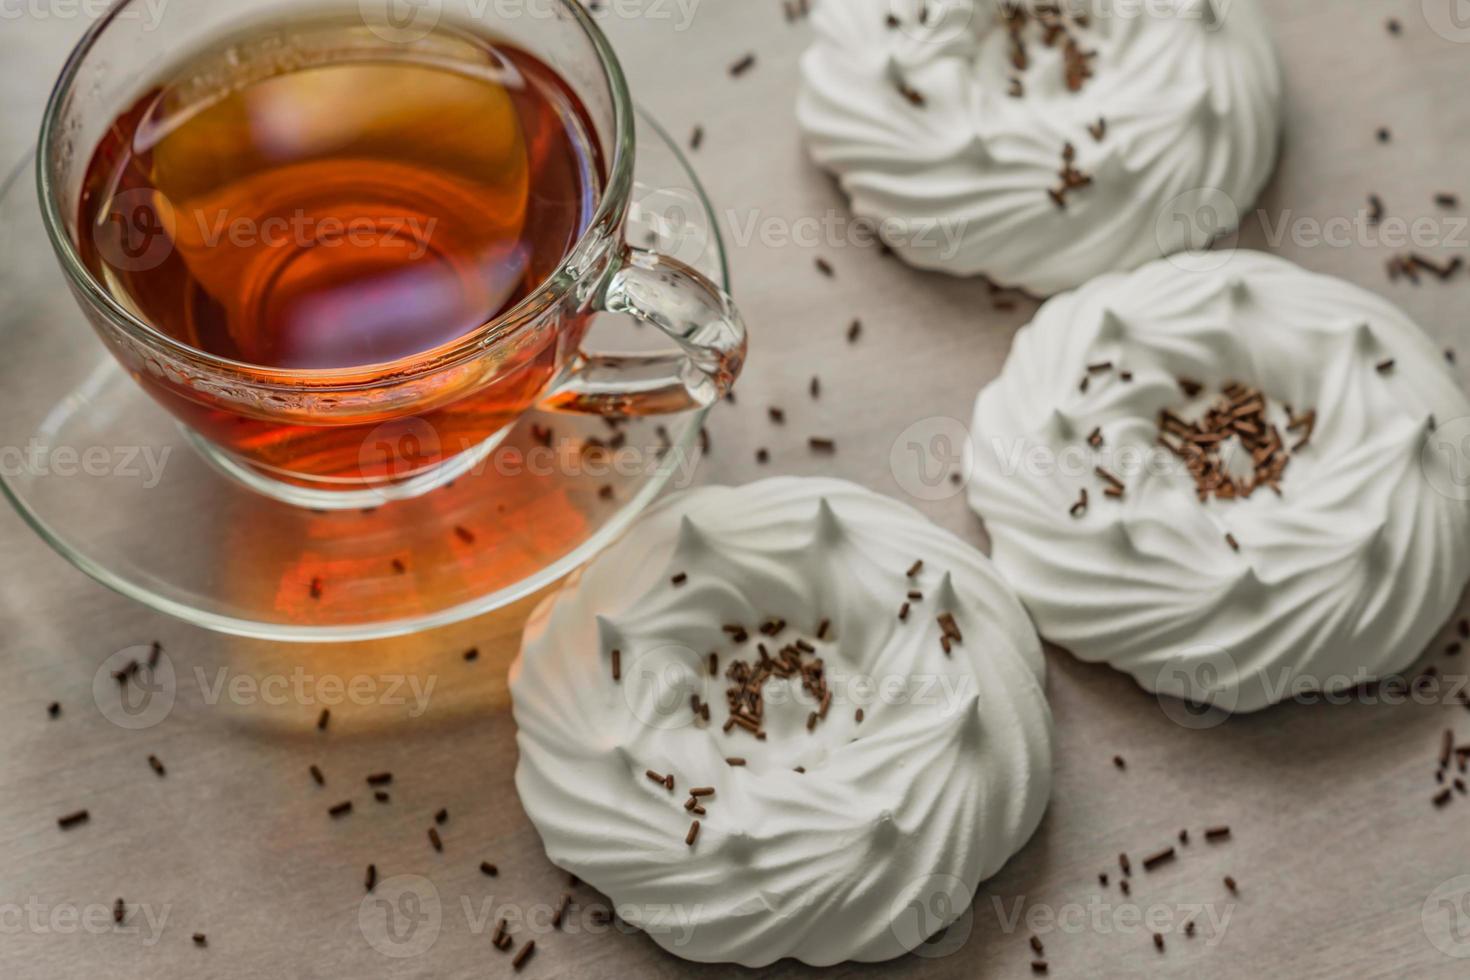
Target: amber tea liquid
{"type": "Point", "coordinates": [360, 206]}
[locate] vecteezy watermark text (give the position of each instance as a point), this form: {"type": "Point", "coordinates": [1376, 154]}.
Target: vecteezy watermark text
{"type": "Point", "coordinates": [39, 460]}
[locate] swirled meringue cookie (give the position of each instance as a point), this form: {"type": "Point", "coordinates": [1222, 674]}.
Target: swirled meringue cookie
{"type": "Point", "coordinates": [1183, 566]}
{"type": "Point", "coordinates": [863, 816]}
{"type": "Point", "coordinates": [1043, 148]}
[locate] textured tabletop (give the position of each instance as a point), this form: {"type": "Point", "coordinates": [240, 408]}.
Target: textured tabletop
{"type": "Point", "coordinates": [1343, 865]}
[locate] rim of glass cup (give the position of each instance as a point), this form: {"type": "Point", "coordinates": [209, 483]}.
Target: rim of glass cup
{"type": "Point", "coordinates": [605, 221]}
{"type": "Point", "coordinates": [490, 601]}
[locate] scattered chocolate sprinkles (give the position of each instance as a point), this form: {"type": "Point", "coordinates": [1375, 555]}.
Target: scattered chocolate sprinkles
{"type": "Point", "coordinates": [200, 939]}
{"type": "Point", "coordinates": [1239, 413]}
{"type": "Point", "coordinates": [54, 709]}
{"type": "Point", "coordinates": [825, 268]}
{"type": "Point", "coordinates": [435, 840]}
{"type": "Point", "coordinates": [119, 911]}
{"type": "Point", "coordinates": [854, 331]}
{"type": "Point", "coordinates": [316, 775]}
{"type": "Point", "coordinates": [679, 579]}
{"type": "Point", "coordinates": [442, 816]}
{"type": "Point", "coordinates": [696, 138]}
{"type": "Point", "coordinates": [340, 809]}
{"type": "Point", "coordinates": [822, 445]}
{"type": "Point", "coordinates": [689, 838]}
{"type": "Point", "coordinates": [156, 765]}
{"type": "Point", "coordinates": [742, 66]}
{"type": "Point", "coordinates": [1217, 833]}
{"type": "Point", "coordinates": [372, 877]}
{"type": "Point", "coordinates": [734, 760]}
{"type": "Point", "coordinates": [323, 719]}
{"type": "Point", "coordinates": [488, 870]}
{"type": "Point", "coordinates": [464, 534]}
{"type": "Point", "coordinates": [1230, 884]}
{"type": "Point", "coordinates": [1118, 761]}
{"type": "Point", "coordinates": [316, 587]}
{"type": "Point", "coordinates": [1159, 942]}
{"type": "Point", "coordinates": [617, 665]}
{"type": "Point", "coordinates": [73, 820]}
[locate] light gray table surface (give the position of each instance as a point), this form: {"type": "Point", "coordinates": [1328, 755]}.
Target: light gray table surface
{"type": "Point", "coordinates": [1336, 847]}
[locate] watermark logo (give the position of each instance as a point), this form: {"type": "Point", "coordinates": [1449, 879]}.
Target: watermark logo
{"type": "Point", "coordinates": [398, 449]}
{"type": "Point", "coordinates": [1450, 19]}
{"type": "Point", "coordinates": [668, 220]}
{"type": "Point", "coordinates": [927, 455]}
{"type": "Point", "coordinates": [1445, 458]}
{"type": "Point", "coordinates": [135, 687]}
{"type": "Point", "coordinates": [401, 917]}
{"type": "Point", "coordinates": [1445, 916]}
{"type": "Point", "coordinates": [658, 685]}
{"type": "Point", "coordinates": [136, 234]}
{"type": "Point", "coordinates": [401, 21]}
{"type": "Point", "coordinates": [1198, 687]}
{"type": "Point", "coordinates": [1195, 230]}
{"type": "Point", "coordinates": [937, 920]}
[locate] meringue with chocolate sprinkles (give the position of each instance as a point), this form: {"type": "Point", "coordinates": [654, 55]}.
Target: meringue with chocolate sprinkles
{"type": "Point", "coordinates": [1042, 144]}
{"type": "Point", "coordinates": [922, 773]}
{"type": "Point", "coordinates": [1295, 518]}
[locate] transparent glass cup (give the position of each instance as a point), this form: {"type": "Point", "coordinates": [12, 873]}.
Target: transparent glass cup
{"type": "Point", "coordinates": [353, 437]}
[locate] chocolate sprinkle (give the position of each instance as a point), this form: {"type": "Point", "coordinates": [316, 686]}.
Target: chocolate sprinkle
{"type": "Point", "coordinates": [1156, 859]}
{"type": "Point", "coordinates": [527, 951]}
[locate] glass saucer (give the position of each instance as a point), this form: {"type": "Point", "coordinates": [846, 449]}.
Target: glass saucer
{"type": "Point", "coordinates": [115, 485]}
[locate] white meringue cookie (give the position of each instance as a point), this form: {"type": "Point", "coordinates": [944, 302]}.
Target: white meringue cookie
{"type": "Point", "coordinates": [1190, 91]}
{"type": "Point", "coordinates": [1343, 578]}
{"type": "Point", "coordinates": [883, 839]}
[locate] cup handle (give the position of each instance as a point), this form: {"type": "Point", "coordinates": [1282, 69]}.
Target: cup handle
{"type": "Point", "coordinates": [695, 313]}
